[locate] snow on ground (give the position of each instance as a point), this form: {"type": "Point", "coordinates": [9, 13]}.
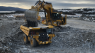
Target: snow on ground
{"type": "Point", "coordinates": [72, 16]}
{"type": "Point", "coordinates": [7, 11]}
{"type": "Point", "coordinates": [76, 23]}
{"type": "Point", "coordinates": [41, 14]}
{"type": "Point", "coordinates": [11, 15]}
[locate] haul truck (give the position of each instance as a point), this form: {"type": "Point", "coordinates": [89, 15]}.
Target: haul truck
{"type": "Point", "coordinates": [37, 35]}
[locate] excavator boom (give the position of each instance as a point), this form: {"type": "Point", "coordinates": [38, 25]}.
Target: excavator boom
{"type": "Point", "coordinates": [52, 18]}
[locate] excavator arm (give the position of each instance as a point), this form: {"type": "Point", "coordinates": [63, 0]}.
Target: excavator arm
{"type": "Point", "coordinates": [47, 7]}
{"type": "Point", "coordinates": [52, 18]}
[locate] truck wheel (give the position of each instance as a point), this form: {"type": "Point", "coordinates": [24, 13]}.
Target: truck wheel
{"type": "Point", "coordinates": [33, 42]}
{"type": "Point", "coordinates": [36, 24]}
{"type": "Point", "coordinates": [25, 39]}
{"type": "Point", "coordinates": [51, 22]}
{"type": "Point", "coordinates": [58, 24]}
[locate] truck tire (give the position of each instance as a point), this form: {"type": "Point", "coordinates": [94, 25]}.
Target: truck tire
{"type": "Point", "coordinates": [58, 24]}
{"type": "Point", "coordinates": [33, 42]}
{"type": "Point", "coordinates": [25, 37]}
{"type": "Point", "coordinates": [36, 24]}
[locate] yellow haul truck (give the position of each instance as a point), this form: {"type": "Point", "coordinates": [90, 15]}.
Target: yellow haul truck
{"type": "Point", "coordinates": [37, 35]}
{"type": "Point", "coordinates": [51, 17]}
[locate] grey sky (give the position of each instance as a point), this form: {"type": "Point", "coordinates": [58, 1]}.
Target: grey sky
{"type": "Point", "coordinates": [58, 4]}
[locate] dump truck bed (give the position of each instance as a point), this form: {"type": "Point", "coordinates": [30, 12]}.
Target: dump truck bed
{"type": "Point", "coordinates": [37, 35]}
{"type": "Point", "coordinates": [26, 30]}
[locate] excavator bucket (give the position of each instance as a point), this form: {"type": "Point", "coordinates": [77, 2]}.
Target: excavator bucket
{"type": "Point", "coordinates": [31, 14]}
{"type": "Point", "coordinates": [31, 17]}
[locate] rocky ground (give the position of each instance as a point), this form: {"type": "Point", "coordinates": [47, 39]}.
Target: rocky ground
{"type": "Point", "coordinates": [8, 28]}
{"type": "Point", "coordinates": [76, 37]}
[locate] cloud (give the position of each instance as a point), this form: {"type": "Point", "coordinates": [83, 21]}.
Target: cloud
{"type": "Point", "coordinates": [56, 3]}
{"type": "Point", "coordinates": [73, 5]}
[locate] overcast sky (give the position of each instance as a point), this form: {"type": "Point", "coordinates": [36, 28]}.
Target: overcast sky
{"type": "Point", "coordinates": [57, 4]}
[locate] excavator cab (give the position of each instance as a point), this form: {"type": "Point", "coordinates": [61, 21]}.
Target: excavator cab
{"type": "Point", "coordinates": [57, 19]}
{"type": "Point", "coordinates": [56, 16]}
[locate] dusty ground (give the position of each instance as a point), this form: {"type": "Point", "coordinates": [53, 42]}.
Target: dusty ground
{"type": "Point", "coordinates": [76, 37]}
{"type": "Point", "coordinates": [76, 23]}
{"type": "Point", "coordinates": [8, 28]}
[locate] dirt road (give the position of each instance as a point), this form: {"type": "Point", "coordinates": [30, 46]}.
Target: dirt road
{"type": "Point", "coordinates": [76, 23]}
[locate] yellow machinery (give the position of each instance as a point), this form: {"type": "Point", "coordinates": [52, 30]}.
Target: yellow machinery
{"type": "Point", "coordinates": [37, 35]}
{"type": "Point", "coordinates": [52, 18]}
{"type": "Point", "coordinates": [41, 35]}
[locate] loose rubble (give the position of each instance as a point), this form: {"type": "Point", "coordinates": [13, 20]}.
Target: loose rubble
{"type": "Point", "coordinates": [8, 28]}
{"type": "Point", "coordinates": [67, 40]}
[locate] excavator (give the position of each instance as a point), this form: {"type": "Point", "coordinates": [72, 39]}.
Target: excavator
{"type": "Point", "coordinates": [36, 34]}
{"type": "Point", "coordinates": [51, 18]}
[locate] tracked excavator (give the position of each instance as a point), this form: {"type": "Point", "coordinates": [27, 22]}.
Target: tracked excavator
{"type": "Point", "coordinates": [35, 34]}
{"type": "Point", "coordinates": [51, 18]}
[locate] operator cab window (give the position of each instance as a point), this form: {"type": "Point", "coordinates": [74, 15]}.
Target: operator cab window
{"type": "Point", "coordinates": [49, 31]}
{"type": "Point", "coordinates": [55, 16]}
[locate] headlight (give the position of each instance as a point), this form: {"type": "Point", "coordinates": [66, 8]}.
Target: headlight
{"type": "Point", "coordinates": [54, 22]}
{"type": "Point", "coordinates": [47, 35]}
{"type": "Point", "coordinates": [39, 35]}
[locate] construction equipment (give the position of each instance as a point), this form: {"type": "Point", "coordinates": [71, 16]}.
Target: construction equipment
{"type": "Point", "coordinates": [37, 35]}
{"type": "Point", "coordinates": [52, 18]}
{"type": "Point", "coordinates": [41, 35]}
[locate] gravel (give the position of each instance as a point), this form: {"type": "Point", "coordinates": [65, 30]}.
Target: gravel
{"type": "Point", "coordinates": [70, 40]}
{"type": "Point", "coordinates": [8, 28]}
{"type": "Point", "coordinates": [67, 40]}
